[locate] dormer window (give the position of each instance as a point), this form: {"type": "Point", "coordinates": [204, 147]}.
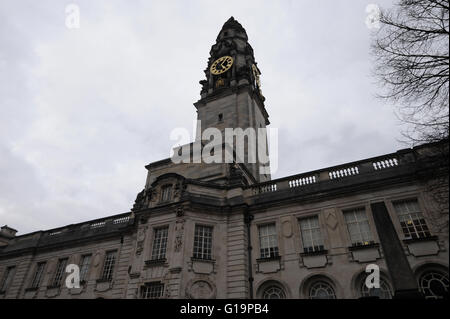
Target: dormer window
{"type": "Point", "coordinates": [166, 193]}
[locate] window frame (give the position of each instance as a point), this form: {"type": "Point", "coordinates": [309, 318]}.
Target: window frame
{"type": "Point", "coordinates": [396, 217]}
{"type": "Point", "coordinates": [158, 256]}
{"type": "Point", "coordinates": [434, 272]}
{"type": "Point", "coordinates": [321, 248]}
{"type": "Point", "coordinates": [367, 214]}
{"type": "Point", "coordinates": [163, 198]}
{"type": "Point", "coordinates": [321, 282]}
{"type": "Point", "coordinates": [149, 285]}
{"type": "Point", "coordinates": [84, 275]}
{"type": "Point", "coordinates": [366, 292]}
{"type": "Point", "coordinates": [276, 248]}
{"type": "Point", "coordinates": [112, 268]}
{"type": "Point", "coordinates": [36, 284]}
{"type": "Point", "coordinates": [201, 256]}
{"type": "Point", "coordinates": [7, 278]}
{"type": "Point", "coordinates": [281, 291]}
{"type": "Point", "coordinates": [60, 271]}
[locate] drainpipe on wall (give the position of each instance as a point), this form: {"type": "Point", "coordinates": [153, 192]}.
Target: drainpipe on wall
{"type": "Point", "coordinates": [248, 219]}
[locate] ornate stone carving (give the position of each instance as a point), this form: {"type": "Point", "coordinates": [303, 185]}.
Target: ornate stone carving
{"type": "Point", "coordinates": [178, 190]}
{"type": "Point", "coordinates": [286, 227]}
{"type": "Point", "coordinates": [97, 259]}
{"type": "Point", "coordinates": [51, 266]}
{"type": "Point", "coordinates": [179, 230]}
{"type": "Point", "coordinates": [201, 289]}
{"type": "Point", "coordinates": [331, 220]}
{"type": "Point", "coordinates": [167, 292]}
{"type": "Point", "coordinates": [179, 211]}
{"type": "Point", "coordinates": [143, 199]}
{"type": "Point", "coordinates": [140, 240]}
{"type": "Point", "coordinates": [153, 194]}
{"type": "Point", "coordinates": [139, 202]}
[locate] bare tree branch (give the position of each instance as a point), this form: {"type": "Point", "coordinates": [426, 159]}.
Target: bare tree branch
{"type": "Point", "coordinates": [411, 52]}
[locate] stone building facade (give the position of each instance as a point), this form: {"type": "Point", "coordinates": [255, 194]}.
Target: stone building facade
{"type": "Point", "coordinates": [227, 230]}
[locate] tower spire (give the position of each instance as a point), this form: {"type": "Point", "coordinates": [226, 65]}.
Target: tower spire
{"type": "Point", "coordinates": [231, 98]}
{"type": "Point", "coordinates": [231, 63]}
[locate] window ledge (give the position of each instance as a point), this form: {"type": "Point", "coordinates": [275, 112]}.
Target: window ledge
{"type": "Point", "coordinates": [361, 247]}
{"type": "Point", "coordinates": [268, 258]}
{"type": "Point", "coordinates": [53, 286]}
{"type": "Point", "coordinates": [212, 261]}
{"type": "Point", "coordinates": [155, 262]}
{"type": "Point", "coordinates": [415, 240]}
{"type": "Point", "coordinates": [314, 253]}
{"type": "Point", "coordinates": [103, 280]}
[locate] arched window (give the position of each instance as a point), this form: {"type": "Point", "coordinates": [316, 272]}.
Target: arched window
{"type": "Point", "coordinates": [274, 292]}
{"type": "Point", "coordinates": [321, 290]}
{"type": "Point", "coordinates": [384, 292]}
{"type": "Point", "coordinates": [434, 284]}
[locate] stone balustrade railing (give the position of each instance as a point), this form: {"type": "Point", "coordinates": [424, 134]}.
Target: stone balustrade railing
{"type": "Point", "coordinates": [335, 173]}
{"type": "Point", "coordinates": [96, 224]}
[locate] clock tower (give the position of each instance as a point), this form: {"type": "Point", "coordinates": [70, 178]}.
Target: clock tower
{"type": "Point", "coordinates": [231, 96]}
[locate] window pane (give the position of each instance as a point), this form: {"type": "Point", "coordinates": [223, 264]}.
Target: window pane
{"type": "Point", "coordinates": [321, 290]}
{"type": "Point", "coordinates": [38, 275]}
{"type": "Point", "coordinates": [60, 270]}
{"type": "Point", "coordinates": [7, 278]}
{"type": "Point", "coordinates": [411, 219]}
{"type": "Point", "coordinates": [152, 291]}
{"type": "Point", "coordinates": [108, 266]}
{"type": "Point", "coordinates": [268, 241]}
{"type": "Point", "coordinates": [274, 292]}
{"type": "Point", "coordinates": [166, 193]}
{"type": "Point", "coordinates": [160, 243]}
{"type": "Point", "coordinates": [84, 267]}
{"type": "Point", "coordinates": [203, 242]}
{"type": "Point", "coordinates": [358, 226]}
{"type": "Point", "coordinates": [434, 285]}
{"type": "Point", "coordinates": [311, 234]}
{"type": "Point", "coordinates": [384, 292]}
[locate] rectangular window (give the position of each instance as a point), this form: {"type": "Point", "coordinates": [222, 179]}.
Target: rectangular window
{"type": "Point", "coordinates": [38, 275]}
{"type": "Point", "coordinates": [60, 270]}
{"type": "Point", "coordinates": [203, 242]}
{"type": "Point", "coordinates": [358, 226]}
{"type": "Point", "coordinates": [152, 290]}
{"type": "Point", "coordinates": [160, 243]}
{"type": "Point", "coordinates": [7, 278]}
{"type": "Point", "coordinates": [84, 266]}
{"type": "Point", "coordinates": [268, 241]}
{"type": "Point", "coordinates": [311, 234]}
{"type": "Point", "coordinates": [411, 219]}
{"type": "Point", "coordinates": [166, 192]}
{"type": "Point", "coordinates": [108, 266]}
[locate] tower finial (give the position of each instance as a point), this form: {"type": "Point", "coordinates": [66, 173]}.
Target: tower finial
{"type": "Point", "coordinates": [232, 23]}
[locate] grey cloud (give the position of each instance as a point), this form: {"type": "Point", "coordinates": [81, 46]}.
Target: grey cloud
{"type": "Point", "coordinates": [82, 111]}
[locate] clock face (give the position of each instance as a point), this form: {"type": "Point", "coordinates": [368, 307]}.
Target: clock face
{"type": "Point", "coordinates": [221, 65]}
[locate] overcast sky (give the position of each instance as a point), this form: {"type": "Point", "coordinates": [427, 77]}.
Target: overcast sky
{"type": "Point", "coordinates": [82, 111]}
